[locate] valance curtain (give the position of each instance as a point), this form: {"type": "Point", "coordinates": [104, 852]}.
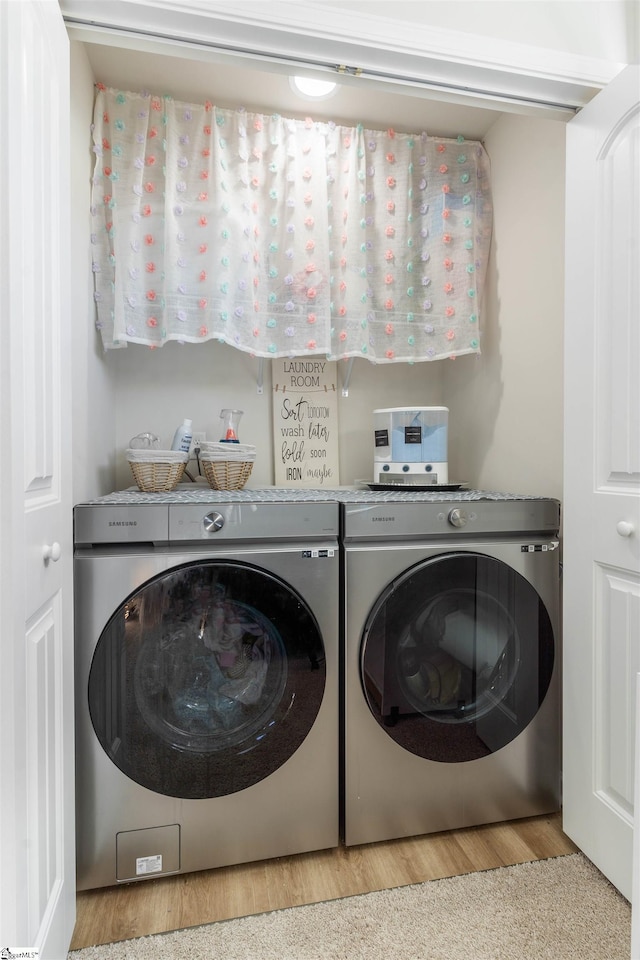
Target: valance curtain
{"type": "Point", "coordinates": [285, 237]}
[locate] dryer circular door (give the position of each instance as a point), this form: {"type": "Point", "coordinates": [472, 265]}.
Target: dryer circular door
{"type": "Point", "coordinates": [456, 657]}
{"type": "Point", "coordinates": [206, 679]}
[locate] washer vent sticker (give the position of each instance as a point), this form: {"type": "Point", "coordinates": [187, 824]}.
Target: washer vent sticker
{"type": "Point", "coordinates": [306, 554]}
{"type": "Point", "coordinates": [146, 865]}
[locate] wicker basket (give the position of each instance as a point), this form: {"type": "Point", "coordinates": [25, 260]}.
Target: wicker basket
{"type": "Point", "coordinates": [227, 474]}
{"type": "Point", "coordinates": [153, 477]}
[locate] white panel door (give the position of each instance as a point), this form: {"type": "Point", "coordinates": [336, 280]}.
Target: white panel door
{"type": "Point", "coordinates": [37, 856]}
{"type": "Point", "coordinates": [602, 476]}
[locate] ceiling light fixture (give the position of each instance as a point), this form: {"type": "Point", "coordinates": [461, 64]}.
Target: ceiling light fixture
{"type": "Point", "coordinates": [312, 89]}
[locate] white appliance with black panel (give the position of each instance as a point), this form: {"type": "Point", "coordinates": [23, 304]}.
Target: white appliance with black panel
{"type": "Point", "coordinates": [206, 680]}
{"type": "Point", "coordinates": [452, 698]}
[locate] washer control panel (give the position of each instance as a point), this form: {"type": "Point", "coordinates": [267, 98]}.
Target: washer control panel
{"type": "Point", "coordinates": [213, 522]}
{"type": "Point", "coordinates": [253, 520]}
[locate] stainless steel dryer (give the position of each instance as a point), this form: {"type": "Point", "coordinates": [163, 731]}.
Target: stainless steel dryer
{"type": "Point", "coordinates": [452, 661]}
{"type": "Point", "coordinates": [207, 681]}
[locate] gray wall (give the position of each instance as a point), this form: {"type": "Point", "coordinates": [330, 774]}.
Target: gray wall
{"type": "Point", "coordinates": [93, 390]}
{"type": "Point", "coordinates": [506, 406]}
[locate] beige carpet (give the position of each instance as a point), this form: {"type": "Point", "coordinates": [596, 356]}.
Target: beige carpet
{"type": "Point", "coordinates": [558, 909]}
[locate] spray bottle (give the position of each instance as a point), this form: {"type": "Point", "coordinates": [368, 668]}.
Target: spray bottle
{"type": "Point", "coordinates": [230, 420]}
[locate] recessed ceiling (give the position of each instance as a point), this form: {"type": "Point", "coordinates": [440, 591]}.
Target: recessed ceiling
{"type": "Point", "coordinates": [358, 100]}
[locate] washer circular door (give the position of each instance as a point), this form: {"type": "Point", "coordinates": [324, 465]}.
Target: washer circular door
{"type": "Point", "coordinates": [456, 657]}
{"type": "Point", "coordinates": [206, 679]}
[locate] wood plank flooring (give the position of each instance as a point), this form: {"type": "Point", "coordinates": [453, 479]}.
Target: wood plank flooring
{"type": "Point", "coordinates": [157, 906]}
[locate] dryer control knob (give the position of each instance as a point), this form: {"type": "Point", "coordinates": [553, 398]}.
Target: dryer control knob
{"type": "Point", "coordinates": [457, 517]}
{"type": "Point", "coordinates": [213, 522]}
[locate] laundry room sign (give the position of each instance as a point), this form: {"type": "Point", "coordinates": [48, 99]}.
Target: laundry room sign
{"type": "Point", "coordinates": [305, 422]}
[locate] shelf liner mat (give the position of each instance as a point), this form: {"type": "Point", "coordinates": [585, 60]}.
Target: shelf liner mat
{"type": "Point", "coordinates": [291, 495]}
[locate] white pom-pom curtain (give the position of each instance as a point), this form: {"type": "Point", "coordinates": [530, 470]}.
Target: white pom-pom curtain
{"type": "Point", "coordinates": [285, 237]}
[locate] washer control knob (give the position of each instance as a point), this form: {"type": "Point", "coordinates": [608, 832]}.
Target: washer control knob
{"type": "Point", "coordinates": [213, 522]}
{"type": "Point", "coordinates": [457, 517]}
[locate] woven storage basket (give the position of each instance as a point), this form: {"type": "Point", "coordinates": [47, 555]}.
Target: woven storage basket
{"type": "Point", "coordinates": [227, 474]}
{"type": "Point", "coordinates": [154, 477]}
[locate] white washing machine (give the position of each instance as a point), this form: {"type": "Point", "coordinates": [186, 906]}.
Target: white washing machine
{"type": "Point", "coordinates": [452, 661]}
{"type": "Point", "coordinates": [206, 680]}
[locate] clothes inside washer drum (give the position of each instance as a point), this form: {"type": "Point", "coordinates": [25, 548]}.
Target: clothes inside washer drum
{"type": "Point", "coordinates": [442, 674]}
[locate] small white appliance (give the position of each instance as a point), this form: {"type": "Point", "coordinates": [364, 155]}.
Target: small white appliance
{"type": "Point", "coordinates": [410, 445]}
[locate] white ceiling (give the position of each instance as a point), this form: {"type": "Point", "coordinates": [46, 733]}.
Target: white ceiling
{"type": "Point", "coordinates": [357, 101]}
{"type": "Point", "coordinates": [436, 56]}
{"type": "Point", "coordinates": [603, 29]}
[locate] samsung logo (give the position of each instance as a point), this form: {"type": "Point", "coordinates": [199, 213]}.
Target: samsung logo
{"type": "Point", "coordinates": [382, 519]}
{"type": "Point", "coordinates": [123, 523]}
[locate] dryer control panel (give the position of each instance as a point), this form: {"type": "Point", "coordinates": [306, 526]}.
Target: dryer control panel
{"type": "Point", "coordinates": [458, 517]}
{"type": "Point", "coordinates": [405, 520]}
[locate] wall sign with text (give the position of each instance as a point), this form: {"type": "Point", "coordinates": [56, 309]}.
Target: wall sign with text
{"type": "Point", "coordinates": [305, 423]}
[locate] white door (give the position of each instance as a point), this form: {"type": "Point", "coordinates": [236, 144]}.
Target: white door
{"type": "Point", "coordinates": [37, 856]}
{"type": "Point", "coordinates": [602, 475]}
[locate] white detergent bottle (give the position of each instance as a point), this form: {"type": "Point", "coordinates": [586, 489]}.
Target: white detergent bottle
{"type": "Point", "coordinates": [182, 437]}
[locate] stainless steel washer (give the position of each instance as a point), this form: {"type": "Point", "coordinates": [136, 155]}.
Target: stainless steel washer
{"type": "Point", "coordinates": [451, 662]}
{"type": "Point", "coordinates": [207, 681]}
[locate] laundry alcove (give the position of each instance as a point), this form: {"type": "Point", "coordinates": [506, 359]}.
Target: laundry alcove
{"type": "Point", "coordinates": [492, 398]}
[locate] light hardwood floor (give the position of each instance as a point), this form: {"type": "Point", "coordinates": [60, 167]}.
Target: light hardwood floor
{"type": "Point", "coordinates": [186, 900]}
